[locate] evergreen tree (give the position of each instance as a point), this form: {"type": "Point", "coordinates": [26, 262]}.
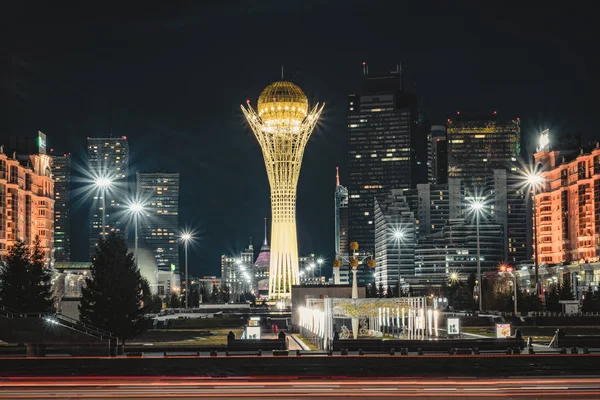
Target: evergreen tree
{"type": "Point", "coordinates": [173, 301]}
{"type": "Point", "coordinates": [396, 291]}
{"type": "Point", "coordinates": [380, 291]}
{"type": "Point", "coordinates": [552, 299]}
{"type": "Point", "coordinates": [215, 295]}
{"type": "Point", "coordinates": [155, 305]}
{"type": "Point", "coordinates": [204, 295]}
{"type": "Point", "coordinates": [388, 293]}
{"type": "Point", "coordinates": [566, 291]}
{"type": "Point", "coordinates": [25, 281]}
{"type": "Point", "coordinates": [194, 297]}
{"type": "Point", "coordinates": [591, 301]}
{"type": "Point", "coordinates": [112, 298]}
{"type": "Point", "coordinates": [224, 295]}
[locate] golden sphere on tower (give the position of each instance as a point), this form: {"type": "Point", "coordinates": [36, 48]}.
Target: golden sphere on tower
{"type": "Point", "coordinates": [371, 263]}
{"type": "Point", "coordinates": [282, 100]}
{"type": "Point", "coordinates": [353, 246]}
{"type": "Point", "coordinates": [354, 263]}
{"type": "Point", "coordinates": [337, 263]}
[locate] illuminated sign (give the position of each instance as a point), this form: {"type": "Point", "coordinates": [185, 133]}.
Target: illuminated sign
{"type": "Point", "coordinates": [453, 326]}
{"type": "Point", "coordinates": [41, 143]}
{"type": "Point", "coordinates": [502, 331]}
{"type": "Point", "coordinates": [544, 141]}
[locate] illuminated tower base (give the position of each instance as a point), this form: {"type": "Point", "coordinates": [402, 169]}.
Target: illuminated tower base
{"type": "Point", "coordinates": [282, 125]}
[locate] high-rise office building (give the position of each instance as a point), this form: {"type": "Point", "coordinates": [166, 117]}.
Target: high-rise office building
{"type": "Point", "coordinates": [386, 150]}
{"type": "Point", "coordinates": [509, 208]}
{"type": "Point", "coordinates": [394, 240]}
{"type": "Point", "coordinates": [26, 201]}
{"type": "Point", "coordinates": [454, 251]}
{"type": "Point", "coordinates": [479, 144]}
{"type": "Point", "coordinates": [436, 204]}
{"type": "Point", "coordinates": [61, 172]}
{"type": "Point", "coordinates": [340, 275]}
{"type": "Point", "coordinates": [437, 155]}
{"type": "Point", "coordinates": [108, 159]}
{"type": "Point", "coordinates": [158, 232]}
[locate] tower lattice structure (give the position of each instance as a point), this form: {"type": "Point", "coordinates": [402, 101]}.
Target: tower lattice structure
{"type": "Point", "coordinates": [282, 125]}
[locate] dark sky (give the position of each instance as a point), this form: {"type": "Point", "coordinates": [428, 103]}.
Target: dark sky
{"type": "Point", "coordinates": [171, 76]}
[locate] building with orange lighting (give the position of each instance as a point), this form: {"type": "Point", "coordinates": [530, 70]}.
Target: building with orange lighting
{"type": "Point", "coordinates": [568, 206]}
{"type": "Point", "coordinates": [26, 201]}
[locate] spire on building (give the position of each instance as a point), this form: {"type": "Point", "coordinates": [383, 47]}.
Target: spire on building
{"type": "Point", "coordinates": [337, 176]}
{"type": "Point", "coordinates": [265, 242]}
{"type": "Point", "coordinates": [265, 246]}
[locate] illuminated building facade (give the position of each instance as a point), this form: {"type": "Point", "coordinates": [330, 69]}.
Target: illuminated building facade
{"type": "Point", "coordinates": [26, 201]}
{"type": "Point", "coordinates": [262, 266]}
{"type": "Point", "coordinates": [282, 125]}
{"type": "Point", "coordinates": [510, 208]}
{"type": "Point", "coordinates": [386, 149]}
{"type": "Point", "coordinates": [61, 172]}
{"type": "Point", "coordinates": [340, 275]}
{"type": "Point", "coordinates": [107, 157]}
{"type": "Point", "coordinates": [395, 256]}
{"type": "Point", "coordinates": [479, 144]}
{"type": "Point", "coordinates": [158, 232]}
{"type": "Point", "coordinates": [568, 206]}
{"type": "Point", "coordinates": [437, 155]}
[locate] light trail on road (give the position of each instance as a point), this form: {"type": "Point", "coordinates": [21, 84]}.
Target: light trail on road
{"type": "Point", "coordinates": [296, 387]}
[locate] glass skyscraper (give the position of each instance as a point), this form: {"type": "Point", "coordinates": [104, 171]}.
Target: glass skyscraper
{"type": "Point", "coordinates": [479, 144]}
{"type": "Point", "coordinates": [386, 149]}
{"type": "Point", "coordinates": [61, 172]}
{"type": "Point", "coordinates": [108, 158]}
{"type": "Point", "coordinates": [159, 228]}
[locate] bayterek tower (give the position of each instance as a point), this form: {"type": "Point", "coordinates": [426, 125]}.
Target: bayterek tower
{"type": "Point", "coordinates": [282, 124]}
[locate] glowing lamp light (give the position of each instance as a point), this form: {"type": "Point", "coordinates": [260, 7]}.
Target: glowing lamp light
{"type": "Point", "coordinates": [136, 207]}
{"type": "Point", "coordinates": [398, 234]}
{"type": "Point", "coordinates": [103, 182]}
{"type": "Point", "coordinates": [477, 205]}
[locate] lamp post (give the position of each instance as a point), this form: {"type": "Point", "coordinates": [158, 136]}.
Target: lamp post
{"type": "Point", "coordinates": [533, 180]}
{"type": "Point", "coordinates": [320, 262]}
{"type": "Point", "coordinates": [354, 261]}
{"type": "Point", "coordinates": [509, 269]}
{"type": "Point", "coordinates": [186, 237]}
{"type": "Point", "coordinates": [399, 236]}
{"type": "Point", "coordinates": [477, 207]}
{"type": "Point", "coordinates": [136, 208]}
{"type": "Point", "coordinates": [103, 184]}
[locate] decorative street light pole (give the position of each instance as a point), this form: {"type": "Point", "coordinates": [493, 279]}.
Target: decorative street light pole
{"type": "Point", "coordinates": [103, 184]}
{"type": "Point", "coordinates": [399, 236]}
{"type": "Point", "coordinates": [477, 207]}
{"type": "Point", "coordinates": [136, 208]}
{"type": "Point", "coordinates": [513, 273]}
{"type": "Point", "coordinates": [186, 237]}
{"type": "Point", "coordinates": [533, 180]}
{"type": "Point", "coordinates": [354, 262]}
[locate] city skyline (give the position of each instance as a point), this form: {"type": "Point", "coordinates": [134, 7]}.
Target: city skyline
{"type": "Point", "coordinates": [93, 101]}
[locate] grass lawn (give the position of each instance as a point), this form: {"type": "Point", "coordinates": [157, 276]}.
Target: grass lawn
{"type": "Point", "coordinates": [187, 336]}
{"type": "Point", "coordinates": [306, 342]}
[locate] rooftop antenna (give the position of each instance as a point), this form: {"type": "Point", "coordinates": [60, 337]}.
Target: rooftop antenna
{"type": "Point", "coordinates": [337, 176]}
{"type": "Point", "coordinates": [281, 71]}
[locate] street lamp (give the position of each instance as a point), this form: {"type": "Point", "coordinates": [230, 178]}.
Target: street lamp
{"type": "Point", "coordinates": [533, 179]}
{"type": "Point", "coordinates": [186, 238]}
{"type": "Point", "coordinates": [320, 262]}
{"type": "Point", "coordinates": [103, 183]}
{"type": "Point", "coordinates": [507, 268]}
{"type": "Point", "coordinates": [399, 236]}
{"type": "Point", "coordinates": [477, 207]}
{"type": "Point", "coordinates": [136, 208]}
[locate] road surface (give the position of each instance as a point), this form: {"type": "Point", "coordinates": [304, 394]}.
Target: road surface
{"type": "Point", "coordinates": [295, 388]}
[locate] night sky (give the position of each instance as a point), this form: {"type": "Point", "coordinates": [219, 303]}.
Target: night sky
{"type": "Point", "coordinates": [171, 78]}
